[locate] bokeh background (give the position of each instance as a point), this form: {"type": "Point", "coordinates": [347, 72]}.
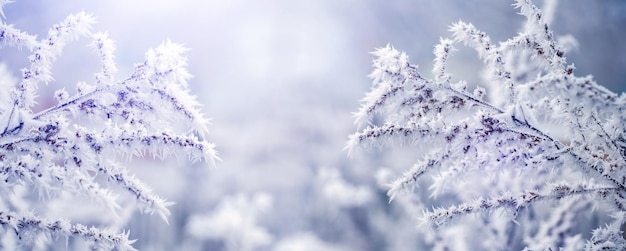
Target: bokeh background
{"type": "Point", "coordinates": [280, 80]}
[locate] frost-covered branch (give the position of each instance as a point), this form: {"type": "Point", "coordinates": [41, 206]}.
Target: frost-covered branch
{"type": "Point", "coordinates": [536, 125]}
{"type": "Point", "coordinates": [45, 53]}
{"type": "Point", "coordinates": [105, 48]}
{"type": "Point", "coordinates": [512, 203]}
{"type": "Point", "coordinates": [80, 144]}
{"type": "Point", "coordinates": [29, 227]}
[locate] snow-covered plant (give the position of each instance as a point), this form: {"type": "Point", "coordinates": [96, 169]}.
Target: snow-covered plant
{"type": "Point", "coordinates": [81, 143]}
{"type": "Point", "coordinates": [523, 161]}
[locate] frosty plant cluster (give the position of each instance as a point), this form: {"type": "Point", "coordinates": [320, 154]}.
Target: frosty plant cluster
{"type": "Point", "coordinates": [537, 144]}
{"type": "Point", "coordinates": [80, 144]}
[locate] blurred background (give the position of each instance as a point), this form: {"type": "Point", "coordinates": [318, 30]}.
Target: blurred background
{"type": "Point", "coordinates": [280, 80]}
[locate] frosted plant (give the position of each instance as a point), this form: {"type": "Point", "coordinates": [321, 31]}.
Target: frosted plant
{"type": "Point", "coordinates": [80, 144]}
{"type": "Point", "coordinates": [538, 145]}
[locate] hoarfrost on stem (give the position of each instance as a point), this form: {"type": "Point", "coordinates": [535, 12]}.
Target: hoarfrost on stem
{"type": "Point", "coordinates": [81, 143]}
{"type": "Point", "coordinates": [536, 133]}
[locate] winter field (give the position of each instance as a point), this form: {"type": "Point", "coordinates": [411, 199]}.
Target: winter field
{"type": "Point", "coordinates": [282, 83]}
